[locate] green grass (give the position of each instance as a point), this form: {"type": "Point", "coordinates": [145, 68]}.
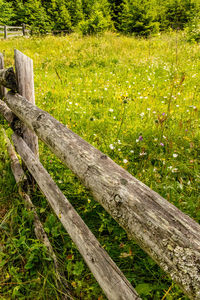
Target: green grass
{"type": "Point", "coordinates": [137, 101]}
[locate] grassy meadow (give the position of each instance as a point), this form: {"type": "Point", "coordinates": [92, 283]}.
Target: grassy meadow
{"type": "Point", "coordinates": [138, 101]}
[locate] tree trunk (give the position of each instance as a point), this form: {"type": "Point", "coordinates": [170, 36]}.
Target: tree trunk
{"type": "Point", "coordinates": [169, 236]}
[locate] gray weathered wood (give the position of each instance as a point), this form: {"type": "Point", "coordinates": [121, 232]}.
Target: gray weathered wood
{"type": "Point", "coordinates": [23, 29]}
{"type": "Point", "coordinates": [25, 83]}
{"type": "Point", "coordinates": [110, 278]}
{"type": "Point", "coordinates": [5, 32]}
{"type": "Point", "coordinates": [14, 27]}
{"type": "Point", "coordinates": [2, 88]}
{"type": "Point", "coordinates": [40, 233]}
{"type": "Point", "coordinates": [8, 79]}
{"type": "Point", "coordinates": [169, 236]}
{"type": "Point", "coordinates": [6, 112]}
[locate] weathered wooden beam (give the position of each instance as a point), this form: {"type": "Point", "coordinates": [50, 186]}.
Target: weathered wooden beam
{"type": "Point", "coordinates": [2, 88]}
{"type": "Point", "coordinates": [6, 112]}
{"type": "Point", "coordinates": [40, 233]}
{"type": "Point", "coordinates": [110, 278]}
{"type": "Point", "coordinates": [25, 84]}
{"type": "Point", "coordinates": [8, 79]}
{"type": "Point", "coordinates": [169, 236]}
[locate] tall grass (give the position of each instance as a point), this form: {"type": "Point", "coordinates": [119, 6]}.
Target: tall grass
{"type": "Point", "coordinates": [137, 101]}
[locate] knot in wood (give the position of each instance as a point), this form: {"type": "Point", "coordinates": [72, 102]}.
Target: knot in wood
{"type": "Point", "coordinates": [118, 200]}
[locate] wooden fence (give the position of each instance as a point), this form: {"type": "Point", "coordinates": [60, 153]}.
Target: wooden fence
{"type": "Point", "coordinates": [13, 31]}
{"type": "Point", "coordinates": [169, 236]}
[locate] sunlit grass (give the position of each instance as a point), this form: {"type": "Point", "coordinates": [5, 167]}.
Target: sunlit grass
{"type": "Point", "coordinates": [137, 101]}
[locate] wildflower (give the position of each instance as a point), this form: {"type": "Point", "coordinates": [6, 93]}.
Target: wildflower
{"type": "Point", "coordinates": [137, 140]}
{"type": "Point", "coordinates": [111, 110]}
{"type": "Point", "coordinates": [154, 112]}
{"type": "Point", "coordinates": [164, 137]}
{"type": "Point", "coordinates": [148, 108]}
{"type": "Point", "coordinates": [174, 170]}
{"type": "Point", "coordinates": [125, 161]}
{"type": "Point", "coordinates": [119, 149]}
{"type": "Point", "coordinates": [70, 102]}
{"type": "Point", "coordinates": [111, 147]}
{"type": "Point", "coordinates": [119, 142]}
{"type": "Point", "coordinates": [161, 144]}
{"type": "Point", "coordinates": [142, 114]}
{"type": "Point", "coordinates": [170, 167]}
{"type": "Point", "coordinates": [132, 151]}
{"type": "Point", "coordinates": [105, 89]}
{"type": "Point", "coordinates": [163, 114]}
{"type": "Point", "coordinates": [175, 155]}
{"type": "Point", "coordinates": [143, 153]}
{"type": "Point", "coordinates": [140, 138]}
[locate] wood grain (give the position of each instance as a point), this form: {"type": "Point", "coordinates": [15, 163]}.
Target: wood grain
{"type": "Point", "coordinates": [169, 236]}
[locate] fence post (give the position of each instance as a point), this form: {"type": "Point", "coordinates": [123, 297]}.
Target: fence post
{"type": "Point", "coordinates": [25, 82]}
{"type": "Point", "coordinates": [2, 89]}
{"type": "Point", "coordinates": [5, 32]}
{"type": "Point", "coordinates": [23, 29]}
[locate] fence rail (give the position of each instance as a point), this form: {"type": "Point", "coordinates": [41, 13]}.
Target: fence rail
{"type": "Point", "coordinates": [169, 236]}
{"type": "Point", "coordinates": [9, 31]}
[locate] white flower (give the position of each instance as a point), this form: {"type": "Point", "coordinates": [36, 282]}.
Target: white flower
{"type": "Point", "coordinates": [154, 112]}
{"type": "Point", "coordinates": [132, 151]}
{"type": "Point", "coordinates": [175, 155]}
{"type": "Point", "coordinates": [174, 170]}
{"type": "Point", "coordinates": [111, 110]}
{"type": "Point", "coordinates": [148, 108]}
{"type": "Point", "coordinates": [119, 142]}
{"type": "Point", "coordinates": [137, 140]}
{"type": "Point", "coordinates": [70, 102]}
{"type": "Point", "coordinates": [125, 161]}
{"type": "Point", "coordinates": [142, 114]}
{"type": "Point", "coordinates": [177, 105]}
{"type": "Point", "coordinates": [105, 89]}
{"type": "Point", "coordinates": [164, 137]}
{"type": "Point", "coordinates": [143, 153]}
{"type": "Point", "coordinates": [111, 147]}
{"type": "Point", "coordinates": [170, 167]}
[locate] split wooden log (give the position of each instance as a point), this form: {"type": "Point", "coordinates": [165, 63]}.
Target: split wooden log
{"type": "Point", "coordinates": [2, 88]}
{"type": "Point", "coordinates": [6, 112]}
{"type": "Point", "coordinates": [110, 278]}
{"type": "Point", "coordinates": [40, 233]}
{"type": "Point", "coordinates": [25, 84]}
{"type": "Point", "coordinates": [169, 236]}
{"type": "Point", "coordinates": [7, 79]}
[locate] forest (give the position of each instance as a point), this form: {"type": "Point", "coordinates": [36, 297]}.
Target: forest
{"type": "Point", "coordinates": [138, 17]}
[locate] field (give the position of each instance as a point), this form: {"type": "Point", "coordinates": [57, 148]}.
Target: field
{"type": "Point", "coordinates": [138, 101]}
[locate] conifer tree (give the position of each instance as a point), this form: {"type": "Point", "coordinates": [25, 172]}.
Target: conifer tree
{"type": "Point", "coordinates": [6, 13]}
{"type": "Point", "coordinates": [136, 18]}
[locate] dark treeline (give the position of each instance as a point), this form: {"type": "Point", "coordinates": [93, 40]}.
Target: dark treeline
{"type": "Point", "coordinates": [140, 17]}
